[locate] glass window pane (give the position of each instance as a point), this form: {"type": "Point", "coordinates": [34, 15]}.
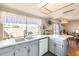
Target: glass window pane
{"type": "Point", "coordinates": [14, 25]}
{"type": "Point", "coordinates": [33, 25]}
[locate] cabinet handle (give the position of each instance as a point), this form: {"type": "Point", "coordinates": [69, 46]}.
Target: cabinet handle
{"type": "Point", "coordinates": [62, 46]}
{"type": "Point", "coordinates": [28, 49]}
{"type": "Point", "coordinates": [24, 47]}
{"type": "Point", "coordinates": [54, 44]}
{"type": "Point", "coordinates": [14, 53]}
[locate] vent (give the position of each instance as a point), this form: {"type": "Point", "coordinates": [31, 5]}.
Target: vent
{"type": "Point", "coordinates": [68, 11]}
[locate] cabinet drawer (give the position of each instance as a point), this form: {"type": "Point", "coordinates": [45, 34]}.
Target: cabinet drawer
{"type": "Point", "coordinates": [6, 50]}
{"type": "Point", "coordinates": [34, 42]}
{"type": "Point", "coordinates": [21, 45]}
{"type": "Point", "coordinates": [9, 53]}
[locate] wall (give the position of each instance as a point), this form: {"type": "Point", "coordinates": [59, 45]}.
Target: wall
{"type": "Point", "coordinates": [49, 28]}
{"type": "Point", "coordinates": [72, 26]}
{"type": "Point", "coordinates": [45, 25]}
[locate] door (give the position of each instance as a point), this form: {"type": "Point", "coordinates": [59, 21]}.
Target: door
{"type": "Point", "coordinates": [34, 48]}
{"type": "Point", "coordinates": [43, 46]}
{"type": "Point", "coordinates": [21, 50]}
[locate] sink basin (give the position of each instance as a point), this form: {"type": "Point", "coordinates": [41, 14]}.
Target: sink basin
{"type": "Point", "coordinates": [19, 39]}
{"type": "Point", "coordinates": [29, 38]}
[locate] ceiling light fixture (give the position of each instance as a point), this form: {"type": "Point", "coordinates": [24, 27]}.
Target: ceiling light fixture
{"type": "Point", "coordinates": [64, 21]}
{"type": "Point", "coordinates": [68, 11]}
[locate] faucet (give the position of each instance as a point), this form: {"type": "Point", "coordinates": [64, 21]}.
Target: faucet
{"type": "Point", "coordinates": [25, 33]}
{"type": "Point", "coordinates": [30, 34]}
{"type": "Point", "coordinates": [10, 36]}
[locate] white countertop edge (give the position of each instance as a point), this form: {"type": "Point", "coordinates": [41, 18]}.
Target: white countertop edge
{"type": "Point", "coordinates": [12, 42]}
{"type": "Point", "coordinates": [16, 43]}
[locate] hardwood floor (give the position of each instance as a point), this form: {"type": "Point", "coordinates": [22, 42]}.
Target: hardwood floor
{"type": "Point", "coordinates": [73, 51]}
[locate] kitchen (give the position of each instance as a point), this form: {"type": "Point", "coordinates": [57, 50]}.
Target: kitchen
{"type": "Point", "coordinates": [36, 29]}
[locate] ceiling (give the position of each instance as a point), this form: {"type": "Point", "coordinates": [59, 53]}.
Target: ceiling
{"type": "Point", "coordinates": [57, 9]}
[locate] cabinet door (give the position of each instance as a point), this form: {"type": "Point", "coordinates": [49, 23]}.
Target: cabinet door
{"type": "Point", "coordinates": [58, 49]}
{"type": "Point", "coordinates": [34, 48]}
{"type": "Point", "coordinates": [64, 49]}
{"type": "Point", "coordinates": [21, 50]}
{"type": "Point", "coordinates": [43, 46]}
{"type": "Point", "coordinates": [61, 48]}
{"type": "Point", "coordinates": [8, 51]}
{"type": "Point", "coordinates": [52, 46]}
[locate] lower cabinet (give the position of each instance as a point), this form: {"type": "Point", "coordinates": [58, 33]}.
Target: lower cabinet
{"type": "Point", "coordinates": [7, 51]}
{"type": "Point", "coordinates": [58, 48]}
{"type": "Point", "coordinates": [21, 49]}
{"type": "Point", "coordinates": [27, 49]}
{"type": "Point", "coordinates": [52, 46]}
{"type": "Point", "coordinates": [36, 47]}
{"type": "Point", "coordinates": [43, 46]}
{"type": "Point", "coordinates": [33, 47]}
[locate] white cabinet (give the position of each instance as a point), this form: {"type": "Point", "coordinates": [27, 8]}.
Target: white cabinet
{"type": "Point", "coordinates": [43, 46]}
{"type": "Point", "coordinates": [52, 46]}
{"type": "Point", "coordinates": [58, 47]}
{"type": "Point", "coordinates": [58, 50]}
{"type": "Point", "coordinates": [7, 51]}
{"type": "Point", "coordinates": [27, 49]}
{"type": "Point", "coordinates": [33, 48]}
{"type": "Point", "coordinates": [61, 48]}
{"type": "Point", "coordinates": [21, 49]}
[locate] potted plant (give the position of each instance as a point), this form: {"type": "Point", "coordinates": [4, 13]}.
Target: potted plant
{"type": "Point", "coordinates": [49, 22]}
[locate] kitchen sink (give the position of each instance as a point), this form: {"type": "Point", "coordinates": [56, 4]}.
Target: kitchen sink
{"type": "Point", "coordinates": [24, 39]}
{"type": "Point", "coordinates": [19, 39]}
{"type": "Point", "coordinates": [29, 38]}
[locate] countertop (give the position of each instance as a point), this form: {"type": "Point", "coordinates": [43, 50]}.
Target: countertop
{"type": "Point", "coordinates": [63, 37]}
{"type": "Point", "coordinates": [10, 42]}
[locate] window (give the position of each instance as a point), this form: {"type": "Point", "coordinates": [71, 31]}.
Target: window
{"type": "Point", "coordinates": [33, 25]}
{"type": "Point", "coordinates": [14, 25]}
{"type": "Point", "coordinates": [56, 27]}
{"type": "Point", "coordinates": [18, 25]}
